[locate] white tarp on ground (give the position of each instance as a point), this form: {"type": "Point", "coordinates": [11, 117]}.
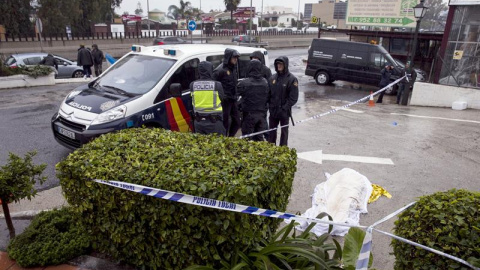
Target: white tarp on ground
{"type": "Point", "coordinates": [344, 196]}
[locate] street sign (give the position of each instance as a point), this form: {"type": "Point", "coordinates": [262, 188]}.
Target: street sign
{"type": "Point", "coordinates": [192, 25]}
{"type": "Point", "coordinates": [39, 25]}
{"type": "Point", "coordinates": [244, 12]}
{"type": "Point", "coordinates": [314, 20]}
{"type": "Point", "coordinates": [457, 55]}
{"type": "Point", "coordinates": [392, 13]}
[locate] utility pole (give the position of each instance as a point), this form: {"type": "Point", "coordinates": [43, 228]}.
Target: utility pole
{"type": "Point", "coordinates": [148, 16]}
{"type": "Point", "coordinates": [250, 32]}
{"type": "Point", "coordinates": [201, 18]}
{"type": "Point", "coordinates": [261, 22]}
{"type": "Point", "coordinates": [298, 17]}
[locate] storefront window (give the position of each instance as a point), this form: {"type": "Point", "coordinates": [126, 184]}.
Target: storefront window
{"type": "Point", "coordinates": [461, 65]}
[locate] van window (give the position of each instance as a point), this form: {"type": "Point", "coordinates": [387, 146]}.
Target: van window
{"type": "Point", "coordinates": [243, 62]}
{"type": "Point", "coordinates": [216, 60]}
{"type": "Point", "coordinates": [184, 75]}
{"type": "Point", "coordinates": [378, 60]}
{"type": "Point", "coordinates": [136, 74]}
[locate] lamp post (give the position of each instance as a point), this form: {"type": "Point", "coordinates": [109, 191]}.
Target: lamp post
{"type": "Point", "coordinates": [419, 12]}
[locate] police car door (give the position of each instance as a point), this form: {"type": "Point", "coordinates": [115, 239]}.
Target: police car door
{"type": "Point", "coordinates": [175, 108]}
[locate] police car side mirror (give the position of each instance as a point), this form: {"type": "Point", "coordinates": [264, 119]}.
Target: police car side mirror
{"type": "Point", "coordinates": [175, 90]}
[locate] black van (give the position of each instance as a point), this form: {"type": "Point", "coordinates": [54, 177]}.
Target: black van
{"type": "Point", "coordinates": [330, 60]}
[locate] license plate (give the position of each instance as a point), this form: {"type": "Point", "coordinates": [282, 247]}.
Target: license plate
{"type": "Point", "coordinates": [67, 133]}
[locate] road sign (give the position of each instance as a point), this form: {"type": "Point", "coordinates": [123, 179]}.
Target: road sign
{"type": "Point", "coordinates": [39, 25]}
{"type": "Point", "coordinates": [192, 25]}
{"type": "Point", "coordinates": [393, 13]}
{"type": "Point", "coordinates": [314, 20]}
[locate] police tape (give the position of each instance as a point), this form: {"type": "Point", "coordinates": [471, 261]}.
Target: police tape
{"type": "Point", "coordinates": [362, 262]}
{"type": "Point", "coordinates": [326, 113]}
{"type": "Point", "coordinates": [216, 204]}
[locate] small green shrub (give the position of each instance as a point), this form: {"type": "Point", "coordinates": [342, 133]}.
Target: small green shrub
{"type": "Point", "coordinates": [32, 71]}
{"type": "Point", "coordinates": [446, 221]}
{"type": "Point", "coordinates": [153, 233]}
{"type": "Point", "coordinates": [53, 237]}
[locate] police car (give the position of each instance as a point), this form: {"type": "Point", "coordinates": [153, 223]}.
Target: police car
{"type": "Point", "coordinates": [149, 87]}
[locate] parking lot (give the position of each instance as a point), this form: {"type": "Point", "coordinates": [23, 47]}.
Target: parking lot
{"type": "Point", "coordinates": [432, 149]}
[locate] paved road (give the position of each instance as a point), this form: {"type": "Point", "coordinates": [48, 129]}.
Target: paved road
{"type": "Point", "coordinates": [429, 154]}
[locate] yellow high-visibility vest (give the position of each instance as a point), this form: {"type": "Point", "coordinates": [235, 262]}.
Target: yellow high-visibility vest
{"type": "Point", "coordinates": [205, 97]}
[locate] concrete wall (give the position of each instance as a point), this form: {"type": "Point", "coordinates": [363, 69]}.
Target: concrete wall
{"type": "Point", "coordinates": [435, 95]}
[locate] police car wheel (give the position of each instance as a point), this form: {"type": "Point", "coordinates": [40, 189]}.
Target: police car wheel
{"type": "Point", "coordinates": [77, 74]}
{"type": "Point", "coordinates": [322, 78]}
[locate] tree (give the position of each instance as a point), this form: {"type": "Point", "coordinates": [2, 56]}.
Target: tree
{"type": "Point", "coordinates": [15, 16]}
{"type": "Point", "coordinates": [183, 11]}
{"type": "Point", "coordinates": [56, 15]}
{"type": "Point", "coordinates": [231, 6]}
{"type": "Point", "coordinates": [139, 10]}
{"type": "Point", "coordinates": [433, 18]}
{"type": "Point", "coordinates": [294, 23]}
{"type": "Point", "coordinates": [17, 181]}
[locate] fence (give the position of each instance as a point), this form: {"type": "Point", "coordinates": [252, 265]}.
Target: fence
{"type": "Point", "coordinates": [145, 34]}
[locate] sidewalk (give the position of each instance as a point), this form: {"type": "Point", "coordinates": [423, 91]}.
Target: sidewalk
{"type": "Point", "coordinates": [7, 264]}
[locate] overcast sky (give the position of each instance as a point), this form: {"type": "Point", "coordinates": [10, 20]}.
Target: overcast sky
{"type": "Point", "coordinates": [207, 5]}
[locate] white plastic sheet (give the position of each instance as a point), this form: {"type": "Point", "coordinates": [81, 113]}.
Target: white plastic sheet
{"type": "Point", "coordinates": [344, 196]}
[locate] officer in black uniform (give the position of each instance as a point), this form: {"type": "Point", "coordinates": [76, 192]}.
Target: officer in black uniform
{"type": "Point", "coordinates": [283, 94]}
{"type": "Point", "coordinates": [207, 95]}
{"type": "Point", "coordinates": [266, 72]}
{"type": "Point", "coordinates": [254, 97]}
{"type": "Point", "coordinates": [228, 77]}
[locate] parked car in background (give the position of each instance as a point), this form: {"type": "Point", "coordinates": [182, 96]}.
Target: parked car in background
{"type": "Point", "coordinates": [168, 40]}
{"type": "Point", "coordinates": [243, 38]}
{"type": "Point", "coordinates": [286, 30]}
{"type": "Point", "coordinates": [66, 68]}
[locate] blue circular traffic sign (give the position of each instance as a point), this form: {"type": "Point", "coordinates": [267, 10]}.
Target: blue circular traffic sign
{"type": "Point", "coordinates": [192, 25]}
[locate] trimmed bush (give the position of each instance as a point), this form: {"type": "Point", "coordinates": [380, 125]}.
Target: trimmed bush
{"type": "Point", "coordinates": [446, 221]}
{"type": "Point", "coordinates": [53, 237]}
{"type": "Point", "coordinates": [158, 234]}
{"type": "Point", "coordinates": [32, 71]}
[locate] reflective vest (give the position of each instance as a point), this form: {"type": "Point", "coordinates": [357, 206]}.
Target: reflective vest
{"type": "Point", "coordinates": [205, 97]}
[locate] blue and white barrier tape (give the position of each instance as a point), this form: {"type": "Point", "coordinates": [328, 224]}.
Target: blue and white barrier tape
{"type": "Point", "coordinates": [325, 113]}
{"type": "Point", "coordinates": [252, 210]}
{"type": "Point", "coordinates": [212, 203]}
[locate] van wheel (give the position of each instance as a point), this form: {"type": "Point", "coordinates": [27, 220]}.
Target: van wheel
{"type": "Point", "coordinates": [392, 90]}
{"type": "Point", "coordinates": [322, 78]}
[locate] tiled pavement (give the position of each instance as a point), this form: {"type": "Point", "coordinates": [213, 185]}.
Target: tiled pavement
{"type": "Point", "coordinates": [7, 264]}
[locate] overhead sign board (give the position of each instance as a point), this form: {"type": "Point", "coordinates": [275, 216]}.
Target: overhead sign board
{"type": "Point", "coordinates": [464, 2]}
{"type": "Point", "coordinates": [244, 12]}
{"type": "Point", "coordinates": [393, 13]}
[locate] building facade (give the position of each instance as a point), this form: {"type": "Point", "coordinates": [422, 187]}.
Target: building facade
{"type": "Point", "coordinates": [460, 64]}
{"type": "Point", "coordinates": [324, 11]}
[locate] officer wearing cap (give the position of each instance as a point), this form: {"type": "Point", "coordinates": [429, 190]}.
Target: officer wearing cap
{"type": "Point", "coordinates": [227, 76]}
{"type": "Point", "coordinates": [283, 94]}
{"type": "Point", "coordinates": [207, 95]}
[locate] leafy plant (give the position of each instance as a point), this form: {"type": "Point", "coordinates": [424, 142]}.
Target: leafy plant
{"type": "Point", "coordinates": [32, 71]}
{"type": "Point", "coordinates": [53, 237]}
{"type": "Point", "coordinates": [287, 250]}
{"type": "Point", "coordinates": [153, 233]}
{"type": "Point", "coordinates": [17, 181]}
{"type": "Point", "coordinates": [447, 221]}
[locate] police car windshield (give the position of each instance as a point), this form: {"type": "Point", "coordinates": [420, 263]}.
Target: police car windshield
{"type": "Point", "coordinates": [136, 74]}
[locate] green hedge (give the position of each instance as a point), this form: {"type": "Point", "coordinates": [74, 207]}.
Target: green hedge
{"type": "Point", "coordinates": [32, 71]}
{"type": "Point", "coordinates": [446, 221]}
{"type": "Point", "coordinates": [52, 238]}
{"type": "Point", "coordinates": [159, 234]}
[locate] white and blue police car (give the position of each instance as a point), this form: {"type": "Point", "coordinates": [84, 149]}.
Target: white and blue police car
{"type": "Point", "coordinates": [149, 87]}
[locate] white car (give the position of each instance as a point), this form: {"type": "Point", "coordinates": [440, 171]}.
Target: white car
{"type": "Point", "coordinates": [147, 87]}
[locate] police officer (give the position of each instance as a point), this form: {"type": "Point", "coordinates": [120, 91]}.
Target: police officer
{"type": "Point", "coordinates": [254, 97]}
{"type": "Point", "coordinates": [266, 72]}
{"type": "Point", "coordinates": [227, 76]}
{"type": "Point", "coordinates": [385, 80]}
{"type": "Point", "coordinates": [283, 94]}
{"type": "Point", "coordinates": [207, 95]}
